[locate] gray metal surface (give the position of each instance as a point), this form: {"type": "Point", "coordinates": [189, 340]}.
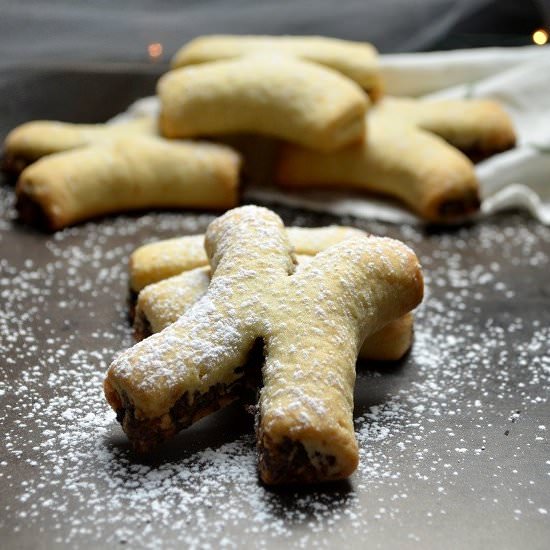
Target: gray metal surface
{"type": "Point", "coordinates": [454, 445]}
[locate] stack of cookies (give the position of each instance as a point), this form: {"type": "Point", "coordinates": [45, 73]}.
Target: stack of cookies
{"type": "Point", "coordinates": [255, 309]}
{"type": "Point", "coordinates": [321, 98]}
{"type": "Point", "coordinates": [252, 311]}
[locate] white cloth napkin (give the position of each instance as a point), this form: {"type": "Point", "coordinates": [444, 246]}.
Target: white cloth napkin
{"type": "Point", "coordinates": [520, 178]}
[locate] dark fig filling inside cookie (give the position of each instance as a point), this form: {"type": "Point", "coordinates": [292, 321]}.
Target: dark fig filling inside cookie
{"type": "Point", "coordinates": [289, 462]}
{"type": "Point", "coordinates": [459, 207]}
{"type": "Point", "coordinates": [31, 212]}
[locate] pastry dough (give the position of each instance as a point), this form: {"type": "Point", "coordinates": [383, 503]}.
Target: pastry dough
{"type": "Point", "coordinates": [478, 127]}
{"type": "Point", "coordinates": [277, 96]}
{"type": "Point", "coordinates": [311, 323]}
{"type": "Point", "coordinates": [127, 174]}
{"type": "Point", "coordinates": [420, 169]}
{"type": "Point", "coordinates": [163, 303]}
{"type": "Point", "coordinates": [356, 60]}
{"type": "Point", "coordinates": [33, 140]}
{"type": "Point", "coordinates": [162, 259]}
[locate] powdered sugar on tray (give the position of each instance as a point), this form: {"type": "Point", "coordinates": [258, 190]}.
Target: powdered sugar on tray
{"type": "Point", "coordinates": [454, 405]}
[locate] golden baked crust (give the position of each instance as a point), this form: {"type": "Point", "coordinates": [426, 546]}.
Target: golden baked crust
{"type": "Point", "coordinates": [127, 174]}
{"type": "Point", "coordinates": [478, 127]}
{"type": "Point", "coordinates": [162, 259]}
{"type": "Point", "coordinates": [160, 304]}
{"type": "Point", "coordinates": [311, 323]}
{"type": "Point", "coordinates": [390, 343]}
{"type": "Point", "coordinates": [356, 60]}
{"type": "Point", "coordinates": [278, 96]}
{"type": "Point", "coordinates": [163, 303]}
{"type": "Point", "coordinates": [33, 140]}
{"type": "Point", "coordinates": [420, 169]}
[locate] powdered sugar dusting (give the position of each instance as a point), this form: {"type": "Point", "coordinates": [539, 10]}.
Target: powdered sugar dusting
{"type": "Point", "coordinates": [471, 397]}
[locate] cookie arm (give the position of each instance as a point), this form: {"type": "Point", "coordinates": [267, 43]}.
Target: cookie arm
{"type": "Point", "coordinates": [172, 379]}
{"type": "Point", "coordinates": [356, 60]}
{"type": "Point", "coordinates": [159, 260]}
{"type": "Point", "coordinates": [416, 167]}
{"type": "Point", "coordinates": [131, 173]}
{"type": "Point", "coordinates": [305, 427]}
{"type": "Point", "coordinates": [196, 365]}
{"type": "Point", "coordinates": [478, 127]}
{"type": "Point", "coordinates": [161, 304]}
{"type": "Point", "coordinates": [33, 140]}
{"type": "Point", "coordinates": [390, 343]}
{"type": "Point", "coordinates": [281, 97]}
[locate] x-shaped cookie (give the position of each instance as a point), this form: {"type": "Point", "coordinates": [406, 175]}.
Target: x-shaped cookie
{"type": "Point", "coordinates": [409, 153]}
{"type": "Point", "coordinates": [33, 140]}
{"type": "Point", "coordinates": [127, 173]}
{"type": "Point", "coordinates": [356, 60]}
{"type": "Point", "coordinates": [171, 280]}
{"type": "Point", "coordinates": [311, 325]}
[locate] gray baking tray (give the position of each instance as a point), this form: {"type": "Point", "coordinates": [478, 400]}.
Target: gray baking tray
{"type": "Point", "coordinates": [454, 438]}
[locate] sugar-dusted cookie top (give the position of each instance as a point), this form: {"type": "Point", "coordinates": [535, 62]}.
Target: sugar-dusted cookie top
{"type": "Point", "coordinates": [158, 260]}
{"type": "Point", "coordinates": [311, 324]}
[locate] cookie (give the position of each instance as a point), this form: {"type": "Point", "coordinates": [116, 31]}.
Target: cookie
{"type": "Point", "coordinates": [162, 259]}
{"type": "Point", "coordinates": [355, 60]}
{"type": "Point", "coordinates": [478, 127]}
{"type": "Point", "coordinates": [127, 174]}
{"type": "Point", "coordinates": [399, 160]}
{"type": "Point", "coordinates": [277, 96]}
{"type": "Point", "coordinates": [161, 304]}
{"type": "Point", "coordinates": [310, 325]}
{"type": "Point", "coordinates": [33, 140]}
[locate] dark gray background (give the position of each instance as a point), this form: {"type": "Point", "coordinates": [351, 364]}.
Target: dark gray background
{"type": "Point", "coordinates": [92, 31]}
